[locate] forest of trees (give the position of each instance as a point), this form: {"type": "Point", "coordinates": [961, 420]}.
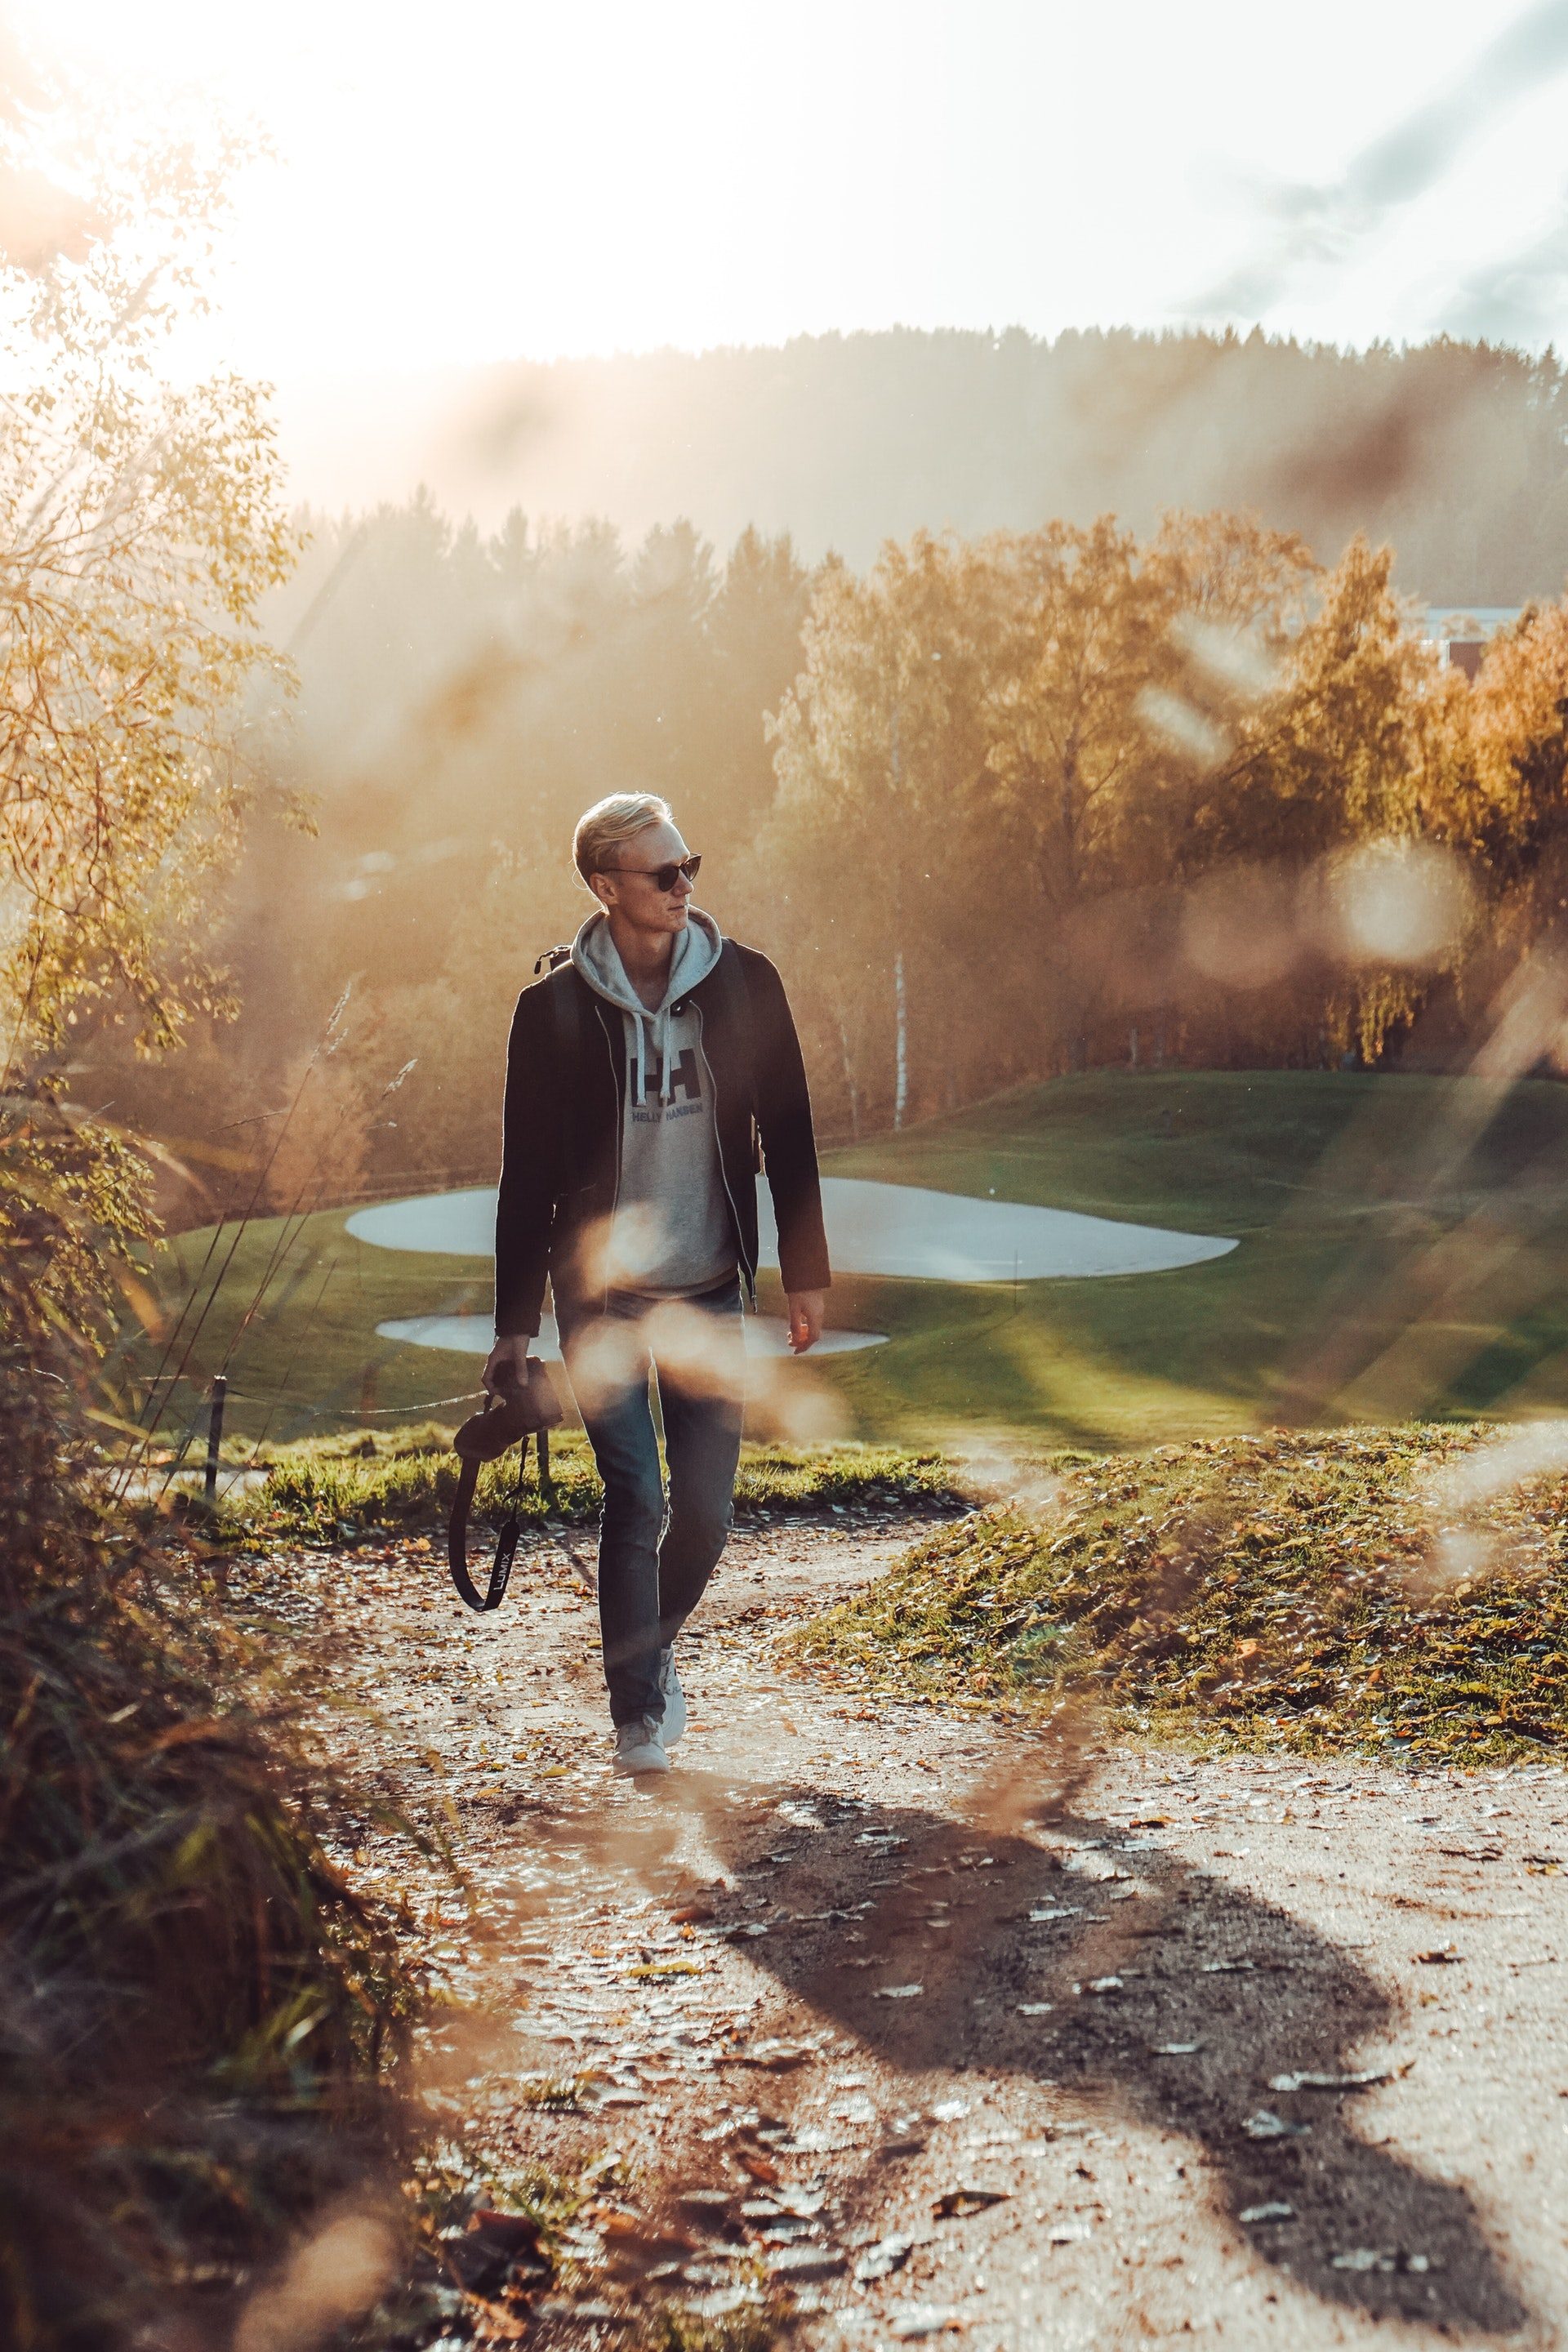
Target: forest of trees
{"type": "Point", "coordinates": [1453, 452]}
{"type": "Point", "coordinates": [999, 808]}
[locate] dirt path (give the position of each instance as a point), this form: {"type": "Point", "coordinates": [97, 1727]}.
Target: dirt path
{"type": "Point", "coordinates": [937, 2032]}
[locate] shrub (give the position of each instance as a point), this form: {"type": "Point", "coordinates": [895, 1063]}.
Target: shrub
{"type": "Point", "coordinates": [190, 1988]}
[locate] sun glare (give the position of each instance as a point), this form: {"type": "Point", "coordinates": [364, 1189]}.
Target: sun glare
{"type": "Point", "coordinates": [484, 182]}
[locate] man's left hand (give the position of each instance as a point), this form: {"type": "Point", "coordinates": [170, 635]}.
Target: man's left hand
{"type": "Point", "coordinates": [806, 1309]}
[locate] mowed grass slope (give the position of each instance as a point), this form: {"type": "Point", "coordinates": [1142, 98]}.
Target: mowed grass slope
{"type": "Point", "coordinates": [1403, 1249]}
{"type": "Point", "coordinates": [1376, 1588]}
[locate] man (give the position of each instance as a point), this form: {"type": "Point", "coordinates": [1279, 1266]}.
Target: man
{"type": "Point", "coordinates": [648, 1076]}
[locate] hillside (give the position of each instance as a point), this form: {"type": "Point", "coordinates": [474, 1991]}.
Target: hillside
{"type": "Point", "coordinates": [1454, 451]}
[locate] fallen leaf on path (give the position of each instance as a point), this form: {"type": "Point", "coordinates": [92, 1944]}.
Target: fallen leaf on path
{"type": "Point", "coordinates": [775, 2055]}
{"type": "Point", "coordinates": [888, 2254]}
{"type": "Point", "coordinates": [924, 2319]}
{"type": "Point", "coordinates": [1325, 2082]}
{"type": "Point", "coordinates": [806, 2202]}
{"type": "Point", "coordinates": [806, 2262]}
{"type": "Point", "coordinates": [705, 2203]}
{"type": "Point", "coordinates": [957, 2204]}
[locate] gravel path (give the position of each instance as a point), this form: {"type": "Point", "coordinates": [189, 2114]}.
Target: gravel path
{"type": "Point", "coordinates": [937, 2029]}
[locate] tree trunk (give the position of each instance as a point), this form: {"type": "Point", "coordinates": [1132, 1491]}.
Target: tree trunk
{"type": "Point", "coordinates": [851, 1087]}
{"type": "Point", "coordinates": [901, 1043]}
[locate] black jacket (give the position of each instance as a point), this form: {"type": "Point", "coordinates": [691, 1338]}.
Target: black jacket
{"type": "Point", "coordinates": [560, 1132]}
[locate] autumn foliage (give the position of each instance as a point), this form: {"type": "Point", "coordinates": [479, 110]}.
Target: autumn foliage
{"type": "Point", "coordinates": [1058, 798]}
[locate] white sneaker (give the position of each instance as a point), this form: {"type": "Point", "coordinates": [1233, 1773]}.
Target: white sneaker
{"type": "Point", "coordinates": [639, 1747]}
{"type": "Point", "coordinates": [674, 1722]}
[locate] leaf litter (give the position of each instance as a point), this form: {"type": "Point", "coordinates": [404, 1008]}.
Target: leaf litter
{"type": "Point", "coordinates": [717, 2210]}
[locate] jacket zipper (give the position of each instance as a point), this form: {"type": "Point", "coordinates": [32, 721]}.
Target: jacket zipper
{"type": "Point", "coordinates": [749, 1270]}
{"type": "Point", "coordinates": [620, 1092]}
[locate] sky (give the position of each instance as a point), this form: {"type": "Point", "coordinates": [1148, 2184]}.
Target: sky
{"type": "Point", "coordinates": [474, 182]}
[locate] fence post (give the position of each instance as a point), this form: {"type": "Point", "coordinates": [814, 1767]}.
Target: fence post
{"type": "Point", "coordinates": [214, 1436]}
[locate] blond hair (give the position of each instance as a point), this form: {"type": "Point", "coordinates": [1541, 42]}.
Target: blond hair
{"type": "Point", "coordinates": [610, 821]}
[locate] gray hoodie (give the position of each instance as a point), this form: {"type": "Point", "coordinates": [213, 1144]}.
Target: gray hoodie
{"type": "Point", "coordinates": [672, 1235]}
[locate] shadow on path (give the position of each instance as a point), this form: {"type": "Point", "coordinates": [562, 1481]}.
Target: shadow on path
{"type": "Point", "coordinates": [1261, 1994]}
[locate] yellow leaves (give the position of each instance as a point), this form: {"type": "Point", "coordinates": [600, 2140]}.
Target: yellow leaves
{"type": "Point", "coordinates": [153, 516]}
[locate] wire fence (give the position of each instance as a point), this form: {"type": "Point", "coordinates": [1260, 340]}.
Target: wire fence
{"type": "Point", "coordinates": [272, 1294]}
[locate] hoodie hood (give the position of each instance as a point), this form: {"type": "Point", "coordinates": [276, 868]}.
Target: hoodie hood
{"type": "Point", "coordinates": [596, 957]}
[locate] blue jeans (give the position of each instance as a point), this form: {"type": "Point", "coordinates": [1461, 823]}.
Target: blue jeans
{"type": "Point", "coordinates": [654, 1564]}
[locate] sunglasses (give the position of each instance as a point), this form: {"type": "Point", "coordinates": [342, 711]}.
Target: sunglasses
{"type": "Point", "coordinates": [663, 876]}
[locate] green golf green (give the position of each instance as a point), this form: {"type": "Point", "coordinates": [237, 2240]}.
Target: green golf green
{"type": "Point", "coordinates": [1403, 1252]}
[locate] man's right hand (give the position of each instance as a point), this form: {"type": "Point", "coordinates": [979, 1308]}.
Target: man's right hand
{"type": "Point", "coordinates": [503, 1367]}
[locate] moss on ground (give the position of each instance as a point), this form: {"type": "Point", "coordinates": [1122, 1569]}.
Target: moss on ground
{"type": "Point", "coordinates": [1399, 1589]}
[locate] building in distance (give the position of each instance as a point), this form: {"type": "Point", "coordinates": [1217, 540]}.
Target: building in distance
{"type": "Point", "coordinates": [1464, 631]}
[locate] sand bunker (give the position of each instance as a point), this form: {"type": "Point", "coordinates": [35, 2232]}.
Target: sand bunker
{"type": "Point", "coordinates": [474, 1335]}
{"type": "Point", "coordinates": [889, 1229]}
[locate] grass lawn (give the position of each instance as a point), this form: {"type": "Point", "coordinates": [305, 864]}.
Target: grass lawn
{"type": "Point", "coordinates": [1403, 1252]}
{"type": "Point", "coordinates": [1374, 1590]}
{"type": "Point", "coordinates": [338, 1491]}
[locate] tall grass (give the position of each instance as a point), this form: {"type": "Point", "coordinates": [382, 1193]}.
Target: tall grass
{"type": "Point", "coordinates": [198, 2010]}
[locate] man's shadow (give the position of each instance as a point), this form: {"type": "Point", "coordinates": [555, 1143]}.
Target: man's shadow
{"type": "Point", "coordinates": [1259, 1992]}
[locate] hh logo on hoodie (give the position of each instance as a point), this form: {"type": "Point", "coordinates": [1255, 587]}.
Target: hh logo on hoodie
{"type": "Point", "coordinates": [685, 1079]}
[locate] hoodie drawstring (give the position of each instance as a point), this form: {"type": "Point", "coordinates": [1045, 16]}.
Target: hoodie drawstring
{"type": "Point", "coordinates": [695, 954]}
{"type": "Point", "coordinates": [666, 1076]}
{"type": "Point", "coordinates": [659, 1024]}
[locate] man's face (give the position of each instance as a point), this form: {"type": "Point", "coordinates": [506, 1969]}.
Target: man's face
{"type": "Point", "coordinates": [630, 887]}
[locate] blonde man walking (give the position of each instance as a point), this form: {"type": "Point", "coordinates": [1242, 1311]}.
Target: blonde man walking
{"type": "Point", "coordinates": [648, 1076]}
